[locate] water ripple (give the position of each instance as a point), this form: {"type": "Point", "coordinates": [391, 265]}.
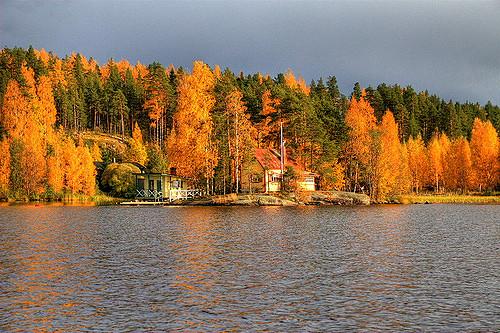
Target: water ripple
{"type": "Point", "coordinates": [335, 269]}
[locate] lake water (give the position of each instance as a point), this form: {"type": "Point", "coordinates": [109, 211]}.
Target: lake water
{"type": "Point", "coordinates": [385, 268]}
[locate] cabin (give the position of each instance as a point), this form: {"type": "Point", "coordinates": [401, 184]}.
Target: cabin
{"type": "Point", "coordinates": [155, 186]}
{"type": "Point", "coordinates": [264, 174]}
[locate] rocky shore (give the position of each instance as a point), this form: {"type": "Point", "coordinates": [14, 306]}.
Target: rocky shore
{"type": "Point", "coordinates": [304, 198]}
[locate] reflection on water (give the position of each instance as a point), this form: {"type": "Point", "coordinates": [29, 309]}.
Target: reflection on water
{"type": "Point", "coordinates": [392, 268]}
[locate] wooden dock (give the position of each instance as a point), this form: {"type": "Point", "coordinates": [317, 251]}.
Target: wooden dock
{"type": "Point", "coordinates": [143, 203]}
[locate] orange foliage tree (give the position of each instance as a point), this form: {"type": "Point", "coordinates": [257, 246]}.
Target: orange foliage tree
{"type": "Point", "coordinates": [435, 154]}
{"type": "Point", "coordinates": [24, 119]}
{"type": "Point", "coordinates": [79, 169]}
{"type": "Point", "coordinates": [158, 100]}
{"type": "Point", "coordinates": [96, 153]}
{"type": "Point", "coordinates": [137, 151]}
{"type": "Point", "coordinates": [217, 72]}
{"type": "Point", "coordinates": [32, 166]}
{"type": "Point", "coordinates": [39, 154]}
{"type": "Point", "coordinates": [4, 167]}
{"type": "Point", "coordinates": [241, 134]}
{"type": "Point", "coordinates": [55, 167]}
{"type": "Point", "coordinates": [87, 184]}
{"type": "Point", "coordinates": [156, 106]}
{"type": "Point", "coordinates": [139, 71]}
{"type": "Point", "coordinates": [484, 147]}
{"type": "Point", "coordinates": [16, 110]}
{"type": "Point", "coordinates": [417, 162]}
{"type": "Point", "coordinates": [333, 176]}
{"type": "Point", "coordinates": [389, 160]}
{"type": "Point", "coordinates": [361, 121]}
{"type": "Point", "coordinates": [43, 55]}
{"type": "Point", "coordinates": [295, 83]}
{"type": "Point", "coordinates": [269, 105]}
{"type": "Point", "coordinates": [445, 145]}
{"type": "Point", "coordinates": [404, 178]}
{"type": "Point", "coordinates": [459, 172]}
{"type": "Point", "coordinates": [72, 171]}
{"type": "Point", "coordinates": [190, 147]}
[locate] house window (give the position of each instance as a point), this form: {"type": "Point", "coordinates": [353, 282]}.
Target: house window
{"type": "Point", "coordinates": [309, 180]}
{"type": "Point", "coordinates": [175, 184]}
{"type": "Point", "coordinates": [158, 185]}
{"type": "Point", "coordinates": [275, 178]}
{"type": "Point", "coordinates": [256, 178]}
{"type": "Point", "coordinates": [140, 184]}
{"type": "Point", "coordinates": [151, 185]}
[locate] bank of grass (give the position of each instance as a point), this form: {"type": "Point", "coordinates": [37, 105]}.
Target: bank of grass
{"type": "Point", "coordinates": [99, 199]}
{"type": "Point", "coordinates": [448, 198]}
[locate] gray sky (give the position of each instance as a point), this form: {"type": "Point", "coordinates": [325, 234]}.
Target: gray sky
{"type": "Point", "coordinates": [451, 48]}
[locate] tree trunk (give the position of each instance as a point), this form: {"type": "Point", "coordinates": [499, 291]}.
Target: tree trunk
{"type": "Point", "coordinates": [74, 116]}
{"type": "Point", "coordinates": [229, 149]}
{"type": "Point", "coordinates": [123, 125]}
{"type": "Point", "coordinates": [237, 154]}
{"type": "Point", "coordinates": [224, 179]}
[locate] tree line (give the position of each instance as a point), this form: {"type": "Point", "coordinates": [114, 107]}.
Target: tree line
{"type": "Point", "coordinates": [207, 122]}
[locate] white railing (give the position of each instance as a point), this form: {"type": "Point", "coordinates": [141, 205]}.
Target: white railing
{"type": "Point", "coordinates": [149, 194]}
{"type": "Point", "coordinates": [173, 194]}
{"type": "Point", "coordinates": [184, 194]}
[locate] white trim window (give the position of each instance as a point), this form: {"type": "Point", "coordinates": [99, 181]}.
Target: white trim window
{"type": "Point", "coordinates": [275, 178]}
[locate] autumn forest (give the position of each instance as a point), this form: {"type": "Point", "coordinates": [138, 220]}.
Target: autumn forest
{"type": "Point", "coordinates": [207, 122]}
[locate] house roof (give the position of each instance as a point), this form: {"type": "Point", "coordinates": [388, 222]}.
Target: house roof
{"type": "Point", "coordinates": [270, 160]}
{"type": "Point", "coordinates": [140, 166]}
{"type": "Point", "coordinates": [267, 159]}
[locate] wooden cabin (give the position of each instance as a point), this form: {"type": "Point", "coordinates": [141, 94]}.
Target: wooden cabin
{"type": "Point", "coordinates": [264, 174]}
{"type": "Point", "coordinates": [163, 186]}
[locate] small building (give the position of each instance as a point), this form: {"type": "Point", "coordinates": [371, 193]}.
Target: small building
{"type": "Point", "coordinates": [163, 186]}
{"type": "Point", "coordinates": [264, 174]}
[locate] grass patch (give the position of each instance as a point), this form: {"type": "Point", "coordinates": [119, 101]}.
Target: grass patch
{"type": "Point", "coordinates": [97, 199]}
{"type": "Point", "coordinates": [448, 198]}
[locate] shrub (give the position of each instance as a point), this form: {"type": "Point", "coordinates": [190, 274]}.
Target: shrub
{"type": "Point", "coordinates": [118, 179]}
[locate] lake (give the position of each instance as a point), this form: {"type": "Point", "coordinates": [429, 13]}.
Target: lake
{"type": "Point", "coordinates": [381, 268]}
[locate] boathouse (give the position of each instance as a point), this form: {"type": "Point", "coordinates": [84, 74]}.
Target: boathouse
{"type": "Point", "coordinates": [265, 173]}
{"type": "Point", "coordinates": [156, 186]}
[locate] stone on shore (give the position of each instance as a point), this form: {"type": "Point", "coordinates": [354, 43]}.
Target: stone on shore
{"type": "Point", "coordinates": [335, 198]}
{"type": "Point", "coordinates": [251, 200]}
{"type": "Point", "coordinates": [307, 198]}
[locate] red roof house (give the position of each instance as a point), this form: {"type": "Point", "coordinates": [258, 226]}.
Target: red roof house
{"type": "Point", "coordinates": [266, 175]}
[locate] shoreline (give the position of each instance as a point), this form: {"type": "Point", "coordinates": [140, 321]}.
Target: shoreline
{"type": "Point", "coordinates": [319, 198]}
{"type": "Point", "coordinates": [409, 199]}
{"type": "Point", "coordinates": [334, 198]}
{"type": "Point", "coordinates": [68, 200]}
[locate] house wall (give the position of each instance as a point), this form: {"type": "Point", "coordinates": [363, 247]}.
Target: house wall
{"type": "Point", "coordinates": [168, 182]}
{"type": "Point", "coordinates": [174, 182]}
{"type": "Point", "coordinates": [271, 184]}
{"type": "Point", "coordinates": [267, 183]}
{"type": "Point", "coordinates": [306, 185]}
{"type": "Point", "coordinates": [147, 179]}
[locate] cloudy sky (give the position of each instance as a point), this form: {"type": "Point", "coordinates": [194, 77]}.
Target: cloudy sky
{"type": "Point", "coordinates": [451, 48]}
